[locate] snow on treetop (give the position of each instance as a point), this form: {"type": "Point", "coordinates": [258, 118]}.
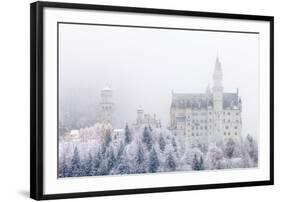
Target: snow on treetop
{"type": "Point", "coordinates": [74, 132]}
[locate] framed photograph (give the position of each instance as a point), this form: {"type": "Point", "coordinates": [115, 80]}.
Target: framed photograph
{"type": "Point", "coordinates": [138, 100]}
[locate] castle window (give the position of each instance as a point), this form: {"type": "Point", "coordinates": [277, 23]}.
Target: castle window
{"type": "Point", "coordinates": [210, 113]}
{"type": "Point", "coordinates": [237, 113]}
{"type": "Point", "coordinates": [224, 120]}
{"type": "Point", "coordinates": [180, 119]}
{"type": "Point", "coordinates": [235, 127]}
{"type": "Point", "coordinates": [228, 133]}
{"type": "Point", "coordinates": [206, 127]}
{"type": "Point", "coordinates": [226, 127]}
{"type": "Point", "coordinates": [192, 127]}
{"type": "Point", "coordinates": [228, 113]}
{"type": "Point", "coordinates": [235, 133]}
{"type": "Point", "coordinates": [237, 121]}
{"type": "Point", "coordinates": [224, 133]}
{"type": "Point", "coordinates": [223, 113]}
{"type": "Point", "coordinates": [192, 134]}
{"type": "Point", "coordinates": [210, 120]}
{"type": "Point", "coordinates": [228, 120]}
{"type": "Point", "coordinates": [201, 127]}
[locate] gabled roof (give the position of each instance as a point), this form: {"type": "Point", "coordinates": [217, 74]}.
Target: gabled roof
{"type": "Point", "coordinates": [202, 100]}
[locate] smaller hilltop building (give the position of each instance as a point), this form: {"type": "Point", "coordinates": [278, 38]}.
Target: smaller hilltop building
{"type": "Point", "coordinates": [147, 119]}
{"type": "Point", "coordinates": [210, 116]}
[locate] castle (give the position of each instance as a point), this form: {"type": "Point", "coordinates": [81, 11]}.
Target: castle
{"type": "Point", "coordinates": [210, 116]}
{"type": "Point", "coordinates": [107, 108]}
{"type": "Point", "coordinates": [147, 119]}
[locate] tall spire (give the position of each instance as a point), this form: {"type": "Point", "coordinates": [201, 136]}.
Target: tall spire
{"type": "Point", "coordinates": [218, 64]}
{"type": "Point", "coordinates": [218, 70]}
{"type": "Point", "coordinates": [217, 85]}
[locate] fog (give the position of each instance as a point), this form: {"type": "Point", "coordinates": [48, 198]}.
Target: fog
{"type": "Point", "coordinates": [143, 66]}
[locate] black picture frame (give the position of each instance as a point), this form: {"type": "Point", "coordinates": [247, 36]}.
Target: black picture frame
{"type": "Point", "coordinates": [37, 98]}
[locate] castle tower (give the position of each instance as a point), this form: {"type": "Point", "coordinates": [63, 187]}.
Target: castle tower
{"type": "Point", "coordinates": [217, 98]}
{"type": "Point", "coordinates": [140, 115]}
{"type": "Point", "coordinates": [106, 105]}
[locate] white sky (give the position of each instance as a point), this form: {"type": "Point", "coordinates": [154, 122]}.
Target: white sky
{"type": "Point", "coordinates": [143, 66]}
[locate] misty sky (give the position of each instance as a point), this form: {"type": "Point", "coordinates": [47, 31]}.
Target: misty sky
{"type": "Point", "coordinates": [144, 65]}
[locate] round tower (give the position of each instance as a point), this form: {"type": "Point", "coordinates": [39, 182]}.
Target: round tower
{"type": "Point", "coordinates": [106, 105]}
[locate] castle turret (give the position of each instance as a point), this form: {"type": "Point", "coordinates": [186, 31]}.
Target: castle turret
{"type": "Point", "coordinates": [106, 105]}
{"type": "Point", "coordinates": [217, 98]}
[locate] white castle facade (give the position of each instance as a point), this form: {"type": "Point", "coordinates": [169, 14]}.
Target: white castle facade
{"type": "Point", "coordinates": [210, 116]}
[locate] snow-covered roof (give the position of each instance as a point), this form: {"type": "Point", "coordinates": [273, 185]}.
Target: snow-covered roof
{"type": "Point", "coordinates": [202, 100]}
{"type": "Point", "coordinates": [118, 130]}
{"type": "Point", "coordinates": [139, 108]}
{"type": "Point", "coordinates": [74, 132]}
{"type": "Point", "coordinates": [106, 88]}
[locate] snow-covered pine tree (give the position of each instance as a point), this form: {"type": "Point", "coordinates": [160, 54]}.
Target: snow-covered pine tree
{"type": "Point", "coordinates": [197, 164]}
{"type": "Point", "coordinates": [252, 148]}
{"type": "Point", "coordinates": [96, 163]}
{"type": "Point", "coordinates": [229, 148]}
{"type": "Point", "coordinates": [120, 153]}
{"type": "Point", "coordinates": [107, 138]}
{"type": "Point", "coordinates": [214, 157]}
{"type": "Point", "coordinates": [110, 158]}
{"type": "Point", "coordinates": [162, 143]}
{"type": "Point", "coordinates": [128, 136]}
{"type": "Point", "coordinates": [63, 168]}
{"type": "Point", "coordinates": [146, 138]}
{"type": "Point", "coordinates": [123, 167]}
{"type": "Point", "coordinates": [153, 162]}
{"type": "Point", "coordinates": [88, 167]}
{"type": "Point", "coordinates": [174, 144]}
{"type": "Point", "coordinates": [150, 128]}
{"type": "Point", "coordinates": [140, 160]}
{"type": "Point", "coordinates": [170, 163]}
{"type": "Point", "coordinates": [75, 168]}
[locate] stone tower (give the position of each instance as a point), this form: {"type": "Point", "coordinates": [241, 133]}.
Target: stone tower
{"type": "Point", "coordinates": [140, 115]}
{"type": "Point", "coordinates": [106, 105]}
{"type": "Point", "coordinates": [217, 99]}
